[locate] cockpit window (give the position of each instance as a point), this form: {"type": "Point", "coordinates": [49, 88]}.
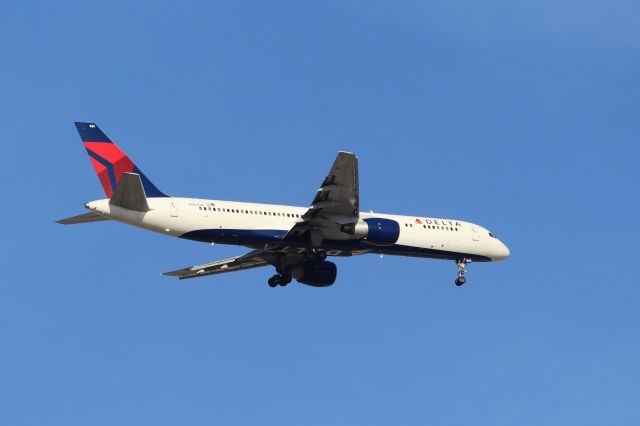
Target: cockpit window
{"type": "Point", "coordinates": [492, 236]}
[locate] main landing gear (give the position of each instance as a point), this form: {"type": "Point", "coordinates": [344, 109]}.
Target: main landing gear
{"type": "Point", "coordinates": [318, 255]}
{"type": "Point", "coordinates": [462, 269]}
{"type": "Point", "coordinates": [278, 279]}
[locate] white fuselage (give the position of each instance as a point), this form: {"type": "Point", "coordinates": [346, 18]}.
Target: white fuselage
{"type": "Point", "coordinates": [263, 226]}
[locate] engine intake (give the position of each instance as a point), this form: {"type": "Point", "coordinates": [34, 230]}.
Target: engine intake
{"type": "Point", "coordinates": [378, 231]}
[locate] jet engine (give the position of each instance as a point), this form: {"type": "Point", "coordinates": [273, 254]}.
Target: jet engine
{"type": "Point", "coordinates": [378, 231]}
{"type": "Point", "coordinates": [319, 273]}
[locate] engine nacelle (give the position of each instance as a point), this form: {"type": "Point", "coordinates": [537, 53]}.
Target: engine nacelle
{"type": "Point", "coordinates": [319, 273]}
{"type": "Point", "coordinates": [378, 231]}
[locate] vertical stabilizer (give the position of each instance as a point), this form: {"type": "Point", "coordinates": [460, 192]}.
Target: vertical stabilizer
{"type": "Point", "coordinates": [110, 162]}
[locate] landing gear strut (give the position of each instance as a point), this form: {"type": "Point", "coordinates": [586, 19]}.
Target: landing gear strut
{"type": "Point", "coordinates": [319, 254]}
{"type": "Point", "coordinates": [278, 279]}
{"type": "Point", "coordinates": [462, 269]}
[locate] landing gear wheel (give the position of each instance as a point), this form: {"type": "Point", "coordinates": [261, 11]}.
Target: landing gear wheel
{"type": "Point", "coordinates": [462, 269]}
{"type": "Point", "coordinates": [274, 281]}
{"type": "Point", "coordinates": [278, 279]}
{"type": "Point", "coordinates": [284, 280]}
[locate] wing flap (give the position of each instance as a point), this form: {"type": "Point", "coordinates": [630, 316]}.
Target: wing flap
{"type": "Point", "coordinates": [337, 202]}
{"type": "Point", "coordinates": [339, 192]}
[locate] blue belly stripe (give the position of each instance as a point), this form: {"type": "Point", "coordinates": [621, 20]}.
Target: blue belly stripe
{"type": "Point", "coordinates": [257, 238]}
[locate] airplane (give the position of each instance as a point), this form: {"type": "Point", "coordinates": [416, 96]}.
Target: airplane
{"type": "Point", "coordinates": [296, 241]}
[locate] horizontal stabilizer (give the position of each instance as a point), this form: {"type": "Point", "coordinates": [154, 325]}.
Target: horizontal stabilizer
{"type": "Point", "coordinates": [129, 193]}
{"type": "Point", "coordinates": [82, 218]}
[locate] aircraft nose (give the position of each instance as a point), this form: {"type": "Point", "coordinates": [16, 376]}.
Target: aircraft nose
{"type": "Point", "coordinates": [503, 251]}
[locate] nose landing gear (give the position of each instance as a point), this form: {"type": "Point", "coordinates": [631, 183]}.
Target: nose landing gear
{"type": "Point", "coordinates": [462, 269]}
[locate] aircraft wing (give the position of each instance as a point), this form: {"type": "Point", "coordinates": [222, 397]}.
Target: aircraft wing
{"type": "Point", "coordinates": [253, 259]}
{"type": "Point", "coordinates": [336, 203]}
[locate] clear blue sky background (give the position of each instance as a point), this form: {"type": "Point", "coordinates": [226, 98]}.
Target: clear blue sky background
{"type": "Point", "coordinates": [521, 116]}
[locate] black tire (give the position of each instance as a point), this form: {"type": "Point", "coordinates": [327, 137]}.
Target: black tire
{"type": "Point", "coordinates": [460, 281]}
{"type": "Point", "coordinates": [273, 281]}
{"type": "Point", "coordinates": [284, 280]}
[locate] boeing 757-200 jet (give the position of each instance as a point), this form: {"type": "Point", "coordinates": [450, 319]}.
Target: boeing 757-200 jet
{"type": "Point", "coordinates": [296, 241]}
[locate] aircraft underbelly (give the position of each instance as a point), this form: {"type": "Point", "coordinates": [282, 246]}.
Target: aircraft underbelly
{"type": "Point", "coordinates": [272, 241]}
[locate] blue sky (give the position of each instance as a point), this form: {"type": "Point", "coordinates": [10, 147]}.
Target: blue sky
{"type": "Point", "coordinates": [520, 116]}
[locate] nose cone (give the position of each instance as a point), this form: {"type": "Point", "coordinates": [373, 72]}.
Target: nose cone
{"type": "Point", "coordinates": [502, 251]}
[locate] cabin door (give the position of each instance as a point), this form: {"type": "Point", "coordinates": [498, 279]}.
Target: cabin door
{"type": "Point", "coordinates": [474, 234]}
